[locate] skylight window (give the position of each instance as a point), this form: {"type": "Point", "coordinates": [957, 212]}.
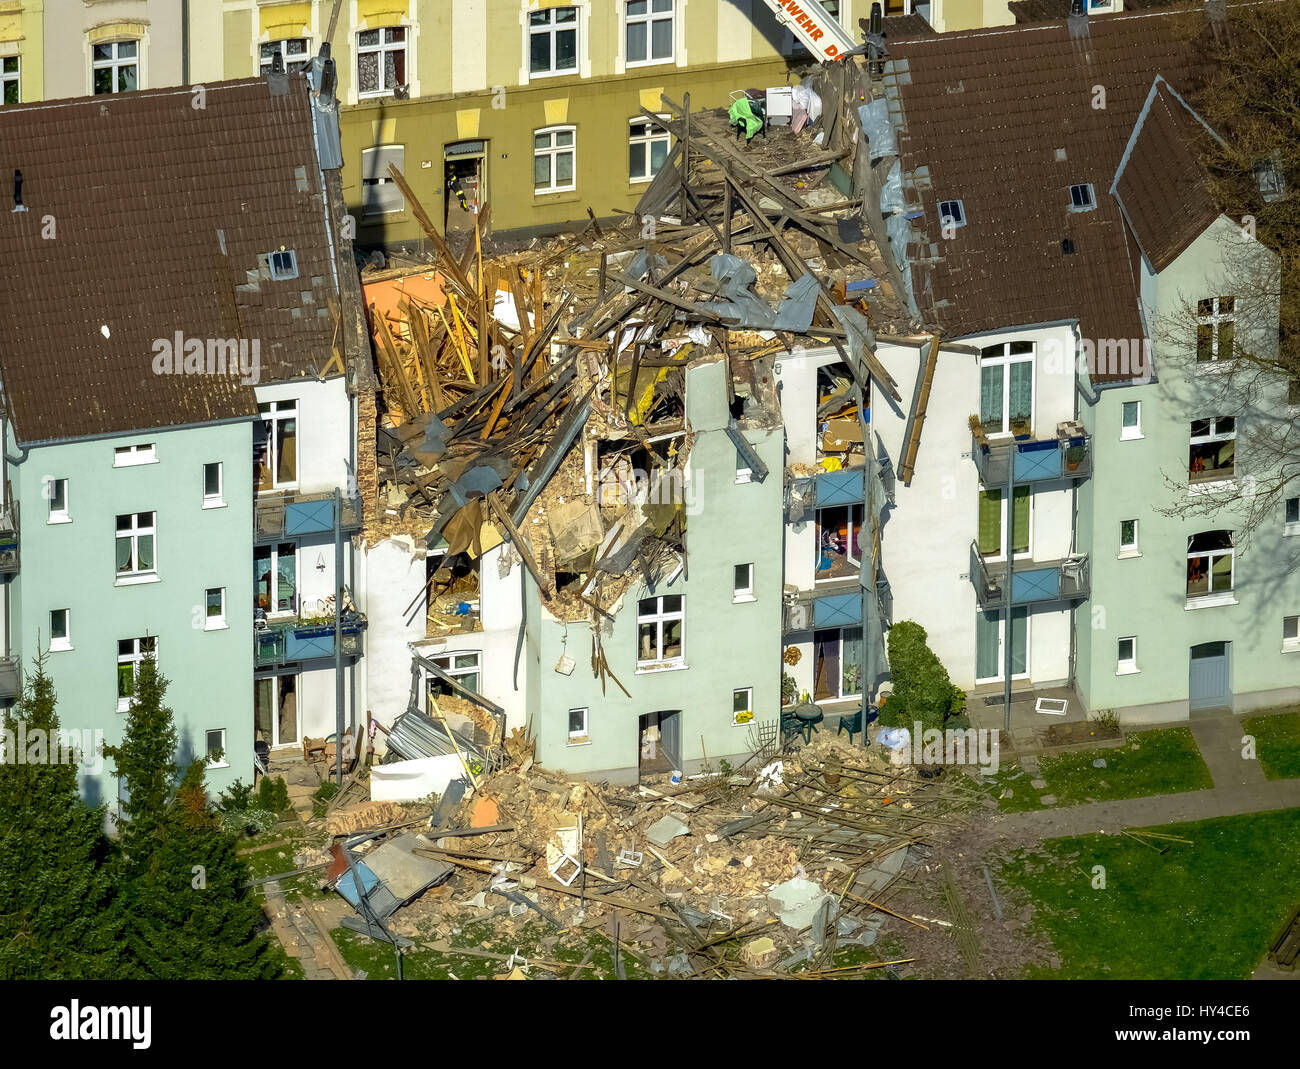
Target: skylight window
{"type": "Point", "coordinates": [284, 264]}
{"type": "Point", "coordinates": [1082, 198]}
{"type": "Point", "coordinates": [952, 213]}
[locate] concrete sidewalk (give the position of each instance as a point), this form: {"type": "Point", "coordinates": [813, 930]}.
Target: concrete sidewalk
{"type": "Point", "coordinates": [1219, 740]}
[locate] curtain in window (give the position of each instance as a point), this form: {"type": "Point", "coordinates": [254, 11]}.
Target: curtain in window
{"type": "Point", "coordinates": [986, 645]}
{"type": "Point", "coordinates": [1021, 390]}
{"type": "Point", "coordinates": [991, 398]}
{"type": "Point", "coordinates": [1020, 641]}
{"type": "Point", "coordinates": [990, 522]}
{"type": "Point", "coordinates": [124, 554]}
{"type": "Point", "coordinates": [851, 660]}
{"type": "Point", "coordinates": [1020, 522]}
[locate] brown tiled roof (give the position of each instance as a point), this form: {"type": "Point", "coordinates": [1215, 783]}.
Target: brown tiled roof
{"type": "Point", "coordinates": [1042, 10]}
{"type": "Point", "coordinates": [986, 112]}
{"type": "Point", "coordinates": [1161, 184]}
{"type": "Point", "coordinates": [146, 216]}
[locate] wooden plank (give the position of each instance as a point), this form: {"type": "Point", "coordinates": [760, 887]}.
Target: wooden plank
{"type": "Point", "coordinates": [908, 467]}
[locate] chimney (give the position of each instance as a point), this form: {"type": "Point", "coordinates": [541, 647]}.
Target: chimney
{"type": "Point", "coordinates": [277, 81]}
{"type": "Point", "coordinates": [324, 81]}
{"type": "Point", "coordinates": [1078, 20]}
{"type": "Point", "coordinates": [875, 38]}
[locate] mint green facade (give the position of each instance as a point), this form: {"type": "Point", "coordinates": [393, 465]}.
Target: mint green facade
{"type": "Point", "coordinates": [727, 645]}
{"type": "Point", "coordinates": [72, 565]}
{"type": "Point", "coordinates": [1143, 593]}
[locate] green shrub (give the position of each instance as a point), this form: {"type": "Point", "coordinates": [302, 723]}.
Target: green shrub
{"type": "Point", "coordinates": [320, 799]}
{"type": "Point", "coordinates": [235, 798]}
{"type": "Point", "coordinates": [273, 794]}
{"type": "Point", "coordinates": [922, 690]}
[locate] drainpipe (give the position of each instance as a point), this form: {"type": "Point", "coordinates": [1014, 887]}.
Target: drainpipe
{"type": "Point", "coordinates": [1009, 581]}
{"type": "Point", "coordinates": [338, 635]}
{"type": "Point", "coordinates": [185, 42]}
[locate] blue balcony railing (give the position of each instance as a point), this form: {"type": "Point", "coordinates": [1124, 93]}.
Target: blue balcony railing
{"type": "Point", "coordinates": [295, 641]}
{"type": "Point", "coordinates": [1033, 460]}
{"type": "Point", "coordinates": [1031, 581]}
{"type": "Point", "coordinates": [287, 516]}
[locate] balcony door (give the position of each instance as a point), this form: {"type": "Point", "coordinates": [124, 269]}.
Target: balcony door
{"type": "Point", "coordinates": [990, 648]}
{"type": "Point", "coordinates": [275, 710]}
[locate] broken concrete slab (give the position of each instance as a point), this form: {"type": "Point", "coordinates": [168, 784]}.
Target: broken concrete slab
{"type": "Point", "coordinates": [666, 829]}
{"type": "Point", "coordinates": [797, 901]}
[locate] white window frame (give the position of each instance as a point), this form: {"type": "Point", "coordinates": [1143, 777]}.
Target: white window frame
{"type": "Point", "coordinates": [1086, 198]}
{"type": "Point", "coordinates": [552, 30]}
{"type": "Point", "coordinates": [949, 221]}
{"type": "Point", "coordinates": [116, 63]}
{"type": "Point", "coordinates": [447, 662]}
{"type": "Point", "coordinates": [1133, 433]}
{"type": "Point", "coordinates": [748, 692]}
{"type": "Point", "coordinates": [742, 592]}
{"type": "Point", "coordinates": [379, 50]}
{"type": "Point", "coordinates": [373, 184]}
{"type": "Point", "coordinates": [65, 643]}
{"type": "Point", "coordinates": [217, 500]}
{"type": "Point", "coordinates": [1126, 666]}
{"type": "Point", "coordinates": [583, 737]}
{"type": "Point", "coordinates": [62, 515]}
{"type": "Point", "coordinates": [207, 748]}
{"type": "Point", "coordinates": [283, 264]}
{"type": "Point", "coordinates": [1290, 526]}
{"type": "Point", "coordinates": [273, 594]}
{"type": "Point", "coordinates": [1291, 643]}
{"type": "Point", "coordinates": [1212, 435]}
{"type": "Point", "coordinates": [128, 456]}
{"type": "Point", "coordinates": [135, 532]}
{"type": "Point", "coordinates": [1000, 555]}
{"type": "Point", "coordinates": [1129, 549]}
{"type": "Point", "coordinates": [659, 617]}
{"type": "Point", "coordinates": [648, 20]}
{"type": "Point", "coordinates": [13, 77]}
{"type": "Point", "coordinates": [1212, 596]}
{"type": "Point", "coordinates": [301, 60]}
{"type": "Point", "coordinates": [134, 658]}
{"type": "Point", "coordinates": [1005, 360]}
{"type": "Point", "coordinates": [649, 140]}
{"type": "Point", "coordinates": [554, 151]}
{"type": "Point", "coordinates": [272, 413]}
{"type": "Point", "coordinates": [1213, 319]}
{"type": "Point", "coordinates": [218, 622]}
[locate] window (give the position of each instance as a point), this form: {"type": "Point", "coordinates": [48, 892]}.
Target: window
{"type": "Point", "coordinates": [1216, 328]}
{"type": "Point", "coordinates": [1212, 452]}
{"type": "Point", "coordinates": [60, 629]}
{"type": "Point", "coordinates": [275, 446]}
{"type": "Point", "coordinates": [10, 80]}
{"type": "Point", "coordinates": [1291, 516]}
{"type": "Point", "coordinates": [381, 61]}
{"type": "Point", "coordinates": [1269, 177]}
{"type": "Point", "coordinates": [1209, 564]}
{"type": "Point", "coordinates": [113, 67]}
{"type": "Point", "coordinates": [838, 546]}
{"type": "Point", "coordinates": [743, 583]}
{"type": "Point", "coordinates": [284, 265]}
{"type": "Point", "coordinates": [215, 617]}
{"type": "Point", "coordinates": [647, 149]}
{"type": "Point", "coordinates": [649, 28]}
{"type": "Point", "coordinates": [659, 630]}
{"type": "Point", "coordinates": [1291, 632]}
{"type": "Point", "coordinates": [1127, 657]}
{"type": "Point", "coordinates": [130, 652]}
{"type": "Point", "coordinates": [1007, 387]}
{"type": "Point", "coordinates": [124, 456]}
{"type": "Point", "coordinates": [578, 727]}
{"type": "Point", "coordinates": [464, 668]}
{"type": "Point", "coordinates": [991, 516]}
{"type": "Point", "coordinates": [1130, 420]}
{"type": "Point", "coordinates": [1128, 538]}
{"type": "Point", "coordinates": [1082, 198]}
{"type": "Point", "coordinates": [379, 193]}
{"type": "Point", "coordinates": [216, 748]}
{"type": "Point", "coordinates": [135, 546]}
{"type": "Point", "coordinates": [742, 705]}
{"type": "Point", "coordinates": [212, 485]}
{"type": "Point", "coordinates": [553, 41]}
{"type": "Point", "coordinates": [275, 578]}
{"type": "Point", "coordinates": [837, 663]}
{"type": "Point", "coordinates": [57, 489]}
{"type": "Point", "coordinates": [952, 213]}
{"type": "Point", "coordinates": [292, 50]}
{"type": "Point", "coordinates": [553, 160]}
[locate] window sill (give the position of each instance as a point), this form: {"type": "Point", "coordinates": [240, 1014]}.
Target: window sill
{"type": "Point", "coordinates": [58, 518]}
{"type": "Point", "coordinates": [1213, 367]}
{"type": "Point", "coordinates": [746, 476]}
{"type": "Point", "coordinates": [123, 705]}
{"type": "Point", "coordinates": [221, 625]}
{"type": "Point", "coordinates": [135, 580]}
{"type": "Point", "coordinates": [743, 599]}
{"type": "Point", "coordinates": [1291, 529]}
{"type": "Point", "coordinates": [581, 741]}
{"type": "Point", "coordinates": [1128, 554]}
{"type": "Point", "coordinates": [213, 504]}
{"type": "Point", "coordinates": [1128, 671]}
{"type": "Point", "coordinates": [632, 65]}
{"type": "Point", "coordinates": [1123, 437]}
{"type": "Point", "coordinates": [58, 645]}
{"type": "Point", "coordinates": [557, 196]}
{"type": "Point", "coordinates": [651, 667]}
{"type": "Point", "coordinates": [1207, 601]}
{"type": "Point", "coordinates": [218, 764]}
{"type": "Point", "coordinates": [1291, 647]}
{"type": "Point", "coordinates": [1216, 487]}
{"type": "Point", "coordinates": [744, 723]}
{"type": "Point", "coordinates": [287, 488]}
{"type": "Point", "coordinates": [134, 463]}
{"type": "Point", "coordinates": [532, 75]}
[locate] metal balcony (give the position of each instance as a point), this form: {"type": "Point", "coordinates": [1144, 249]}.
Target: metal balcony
{"type": "Point", "coordinates": [287, 516]}
{"type": "Point", "coordinates": [277, 644]}
{"type": "Point", "coordinates": [9, 538]}
{"type": "Point", "coordinates": [11, 682]}
{"type": "Point", "coordinates": [1067, 456]}
{"type": "Point", "coordinates": [1032, 582]}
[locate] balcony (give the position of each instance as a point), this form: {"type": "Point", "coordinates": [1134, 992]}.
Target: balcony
{"type": "Point", "coordinates": [288, 516]}
{"type": "Point", "coordinates": [1067, 456]}
{"type": "Point", "coordinates": [11, 684]}
{"type": "Point", "coordinates": [305, 640]}
{"type": "Point", "coordinates": [9, 539]}
{"type": "Point", "coordinates": [1032, 582]}
{"type": "Point", "coordinates": [840, 609]}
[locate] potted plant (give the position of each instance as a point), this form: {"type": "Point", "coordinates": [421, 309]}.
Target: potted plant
{"type": "Point", "coordinates": [1020, 429]}
{"type": "Point", "coordinates": [788, 689]}
{"type": "Point", "coordinates": [1074, 457]}
{"type": "Point", "coordinates": [977, 429]}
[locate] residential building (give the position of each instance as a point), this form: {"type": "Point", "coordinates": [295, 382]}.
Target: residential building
{"type": "Point", "coordinates": [189, 384]}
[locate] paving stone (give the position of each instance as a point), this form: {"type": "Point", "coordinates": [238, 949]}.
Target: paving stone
{"type": "Point", "coordinates": [1099, 763]}
{"type": "Point", "coordinates": [1048, 799]}
{"type": "Point", "coordinates": [1038, 784]}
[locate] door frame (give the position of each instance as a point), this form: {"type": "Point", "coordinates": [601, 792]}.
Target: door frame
{"type": "Point", "coordinates": [1002, 653]}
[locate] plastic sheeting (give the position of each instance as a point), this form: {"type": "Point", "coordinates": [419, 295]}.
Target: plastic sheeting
{"type": "Point", "coordinates": [891, 195]}
{"type": "Point", "coordinates": [809, 100]}
{"type": "Point", "coordinates": [877, 128]}
{"type": "Point", "coordinates": [736, 277]}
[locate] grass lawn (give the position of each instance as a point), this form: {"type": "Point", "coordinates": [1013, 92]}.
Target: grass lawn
{"type": "Point", "coordinates": [1199, 912]}
{"type": "Point", "coordinates": [1150, 762]}
{"type": "Point", "coordinates": [1277, 743]}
